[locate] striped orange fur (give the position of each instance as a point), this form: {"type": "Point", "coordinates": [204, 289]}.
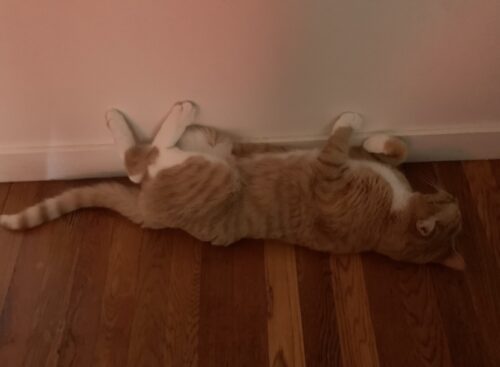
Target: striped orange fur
{"type": "Point", "coordinates": [338, 199]}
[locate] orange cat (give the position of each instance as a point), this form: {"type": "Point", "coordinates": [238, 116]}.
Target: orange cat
{"type": "Point", "coordinates": [337, 199]}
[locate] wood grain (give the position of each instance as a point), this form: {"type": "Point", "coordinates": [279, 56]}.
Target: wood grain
{"type": "Point", "coordinates": [486, 193]}
{"type": "Point", "coordinates": [250, 305]}
{"type": "Point", "coordinates": [83, 313]}
{"type": "Point", "coordinates": [181, 332]}
{"type": "Point", "coordinates": [8, 248]}
{"type": "Point", "coordinates": [233, 328]}
{"type": "Point", "coordinates": [482, 275]}
{"type": "Point", "coordinates": [119, 295]}
{"type": "Point", "coordinates": [148, 343]}
{"type": "Point", "coordinates": [451, 292]}
{"type": "Point", "coordinates": [33, 317]}
{"type": "Point", "coordinates": [319, 319]}
{"type": "Point", "coordinates": [357, 338]}
{"type": "Point", "coordinates": [94, 289]}
{"type": "Point", "coordinates": [405, 313]}
{"type": "Point", "coordinates": [216, 309]}
{"type": "Point", "coordinates": [286, 346]}
{"type": "Point", "coordinates": [485, 190]}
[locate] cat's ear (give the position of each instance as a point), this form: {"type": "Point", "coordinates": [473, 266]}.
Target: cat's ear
{"type": "Point", "coordinates": [426, 226]}
{"type": "Point", "coordinates": [455, 261]}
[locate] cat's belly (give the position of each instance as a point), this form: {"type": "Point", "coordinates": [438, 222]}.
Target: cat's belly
{"type": "Point", "coordinates": [401, 191]}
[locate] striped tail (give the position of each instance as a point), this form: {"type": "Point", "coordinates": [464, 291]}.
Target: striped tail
{"type": "Point", "coordinates": [114, 196]}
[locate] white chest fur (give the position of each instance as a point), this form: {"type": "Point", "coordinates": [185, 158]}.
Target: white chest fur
{"type": "Point", "coordinates": [400, 191]}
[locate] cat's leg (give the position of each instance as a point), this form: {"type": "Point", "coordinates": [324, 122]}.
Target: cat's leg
{"type": "Point", "coordinates": [168, 155]}
{"type": "Point", "coordinates": [122, 135]}
{"type": "Point", "coordinates": [180, 116]}
{"type": "Point", "coordinates": [332, 160]}
{"type": "Point", "coordinates": [335, 153]}
{"type": "Point", "coordinates": [138, 158]}
{"type": "Point", "coordinates": [207, 140]}
{"type": "Point", "coordinates": [131, 154]}
{"type": "Point", "coordinates": [386, 148]}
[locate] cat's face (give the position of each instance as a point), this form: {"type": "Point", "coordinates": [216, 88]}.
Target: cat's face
{"type": "Point", "coordinates": [430, 236]}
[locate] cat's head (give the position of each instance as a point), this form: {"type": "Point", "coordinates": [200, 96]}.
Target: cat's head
{"type": "Point", "coordinates": [429, 236]}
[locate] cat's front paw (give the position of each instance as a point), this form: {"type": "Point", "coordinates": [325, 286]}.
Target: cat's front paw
{"type": "Point", "coordinates": [348, 119]}
{"type": "Point", "coordinates": [377, 144]}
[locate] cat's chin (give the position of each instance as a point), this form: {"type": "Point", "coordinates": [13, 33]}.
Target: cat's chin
{"type": "Point", "coordinates": [455, 261]}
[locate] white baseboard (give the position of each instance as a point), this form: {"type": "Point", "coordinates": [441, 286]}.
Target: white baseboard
{"type": "Point", "coordinates": [101, 160]}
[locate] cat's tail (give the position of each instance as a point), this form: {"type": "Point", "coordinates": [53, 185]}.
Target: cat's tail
{"type": "Point", "coordinates": [114, 196]}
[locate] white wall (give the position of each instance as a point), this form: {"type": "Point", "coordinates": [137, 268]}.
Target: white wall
{"type": "Point", "coordinates": [262, 68]}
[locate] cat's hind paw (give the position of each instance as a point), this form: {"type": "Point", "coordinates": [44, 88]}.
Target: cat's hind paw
{"type": "Point", "coordinates": [182, 113]}
{"type": "Point", "coordinates": [114, 117]}
{"type": "Point", "coordinates": [348, 119]}
{"type": "Point", "coordinates": [120, 130]}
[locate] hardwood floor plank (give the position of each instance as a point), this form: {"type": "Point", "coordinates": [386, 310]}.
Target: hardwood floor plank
{"type": "Point", "coordinates": [4, 192]}
{"type": "Point", "coordinates": [357, 338]}
{"type": "Point", "coordinates": [82, 318]}
{"type": "Point", "coordinates": [233, 327]}
{"type": "Point", "coordinates": [95, 289]}
{"type": "Point", "coordinates": [168, 303]}
{"type": "Point", "coordinates": [495, 168]}
{"type": "Point", "coordinates": [485, 189]}
{"type": "Point", "coordinates": [405, 314]}
{"type": "Point", "coordinates": [458, 317]}
{"type": "Point", "coordinates": [119, 298]}
{"type": "Point", "coordinates": [286, 343]}
{"type": "Point", "coordinates": [9, 244]}
{"type": "Point", "coordinates": [148, 344]}
{"type": "Point", "coordinates": [183, 307]}
{"type": "Point", "coordinates": [216, 307]}
{"type": "Point", "coordinates": [250, 305]}
{"type": "Point", "coordinates": [482, 275]}
{"type": "Point", "coordinates": [486, 193]}
{"type": "Point", "coordinates": [36, 304]}
{"type": "Point", "coordinates": [319, 319]}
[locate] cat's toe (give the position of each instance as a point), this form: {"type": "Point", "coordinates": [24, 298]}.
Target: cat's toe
{"type": "Point", "coordinates": [349, 119]}
{"type": "Point", "coordinates": [377, 143]}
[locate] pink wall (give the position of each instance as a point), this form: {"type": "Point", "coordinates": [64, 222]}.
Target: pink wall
{"type": "Point", "coordinates": [260, 67]}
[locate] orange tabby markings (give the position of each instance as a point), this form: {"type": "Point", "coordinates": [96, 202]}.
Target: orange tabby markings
{"type": "Point", "coordinates": [221, 191]}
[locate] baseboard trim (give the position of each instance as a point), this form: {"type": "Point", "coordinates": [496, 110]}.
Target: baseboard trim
{"type": "Point", "coordinates": [101, 160]}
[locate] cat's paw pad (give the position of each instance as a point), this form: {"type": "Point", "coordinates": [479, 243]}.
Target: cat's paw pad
{"type": "Point", "coordinates": [377, 143]}
{"type": "Point", "coordinates": [183, 112]}
{"type": "Point", "coordinates": [349, 119]}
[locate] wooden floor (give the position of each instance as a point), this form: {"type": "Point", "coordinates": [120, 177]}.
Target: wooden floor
{"type": "Point", "coordinates": [95, 290]}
